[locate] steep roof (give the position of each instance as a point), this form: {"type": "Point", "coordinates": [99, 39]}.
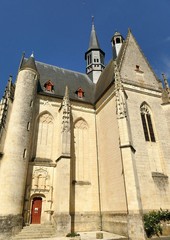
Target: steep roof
{"type": "Point", "coordinates": [29, 63]}
{"type": "Point", "coordinates": [94, 43]}
{"type": "Point", "coordinates": [105, 80]}
{"type": "Point", "coordinates": [61, 78]}
{"type": "Point", "coordinates": [131, 56]}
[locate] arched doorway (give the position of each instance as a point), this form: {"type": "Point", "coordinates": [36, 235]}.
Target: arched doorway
{"type": "Point", "coordinates": [36, 210]}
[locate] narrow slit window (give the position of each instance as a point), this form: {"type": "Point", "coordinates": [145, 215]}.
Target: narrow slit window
{"type": "Point", "coordinates": [31, 103]}
{"type": "Point", "coordinates": [25, 153]}
{"type": "Point", "coordinates": [28, 126]}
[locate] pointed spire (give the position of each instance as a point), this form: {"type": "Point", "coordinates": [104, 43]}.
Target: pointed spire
{"type": "Point", "coordinates": [94, 43]}
{"type": "Point", "coordinates": [29, 63]}
{"type": "Point", "coordinates": [66, 112]}
{"type": "Point", "coordinates": [94, 57]}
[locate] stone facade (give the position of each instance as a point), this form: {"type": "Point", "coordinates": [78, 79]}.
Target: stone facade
{"type": "Point", "coordinates": [85, 156]}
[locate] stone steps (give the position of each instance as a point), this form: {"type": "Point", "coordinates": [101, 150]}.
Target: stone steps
{"type": "Point", "coordinates": [36, 231]}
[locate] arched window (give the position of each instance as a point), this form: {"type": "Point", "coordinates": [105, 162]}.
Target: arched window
{"type": "Point", "coordinates": [147, 123]}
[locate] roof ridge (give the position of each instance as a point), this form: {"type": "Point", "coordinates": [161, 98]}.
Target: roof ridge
{"type": "Point", "coordinates": [68, 70]}
{"type": "Point", "coordinates": [123, 50]}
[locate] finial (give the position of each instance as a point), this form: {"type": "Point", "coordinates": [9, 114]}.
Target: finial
{"type": "Point", "coordinates": [32, 55]}
{"type": "Point", "coordinates": [10, 78]}
{"type": "Point", "coordinates": [92, 19]}
{"type": "Point", "coordinates": [92, 22]}
{"type": "Point", "coordinates": [165, 82]}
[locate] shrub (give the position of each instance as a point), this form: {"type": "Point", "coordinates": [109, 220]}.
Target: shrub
{"type": "Point", "coordinates": [72, 234]}
{"type": "Point", "coordinates": [152, 222]}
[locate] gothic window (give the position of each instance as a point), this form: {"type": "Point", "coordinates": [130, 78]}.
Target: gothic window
{"type": "Point", "coordinates": [49, 86]}
{"type": "Point", "coordinates": [147, 123]}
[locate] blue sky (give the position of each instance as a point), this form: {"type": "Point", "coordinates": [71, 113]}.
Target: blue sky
{"type": "Point", "coordinates": [58, 31]}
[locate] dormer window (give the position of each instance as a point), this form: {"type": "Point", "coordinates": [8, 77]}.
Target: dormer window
{"type": "Point", "coordinates": [80, 93]}
{"type": "Point", "coordinates": [49, 86]}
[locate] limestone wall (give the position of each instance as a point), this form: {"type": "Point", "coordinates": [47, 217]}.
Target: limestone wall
{"type": "Point", "coordinates": [113, 203]}
{"type": "Point", "coordinates": [75, 180]}
{"type": "Point", "coordinates": [135, 67]}
{"type": "Point", "coordinates": [111, 177]}
{"type": "Point", "coordinates": [152, 158]}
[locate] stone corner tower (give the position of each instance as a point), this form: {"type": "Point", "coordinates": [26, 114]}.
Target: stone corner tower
{"type": "Point", "coordinates": [14, 162]}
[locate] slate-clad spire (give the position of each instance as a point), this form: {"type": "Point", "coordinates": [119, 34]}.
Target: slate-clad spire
{"type": "Point", "coordinates": [29, 63]}
{"type": "Point", "coordinates": [94, 56]}
{"type": "Point", "coordinates": [94, 43]}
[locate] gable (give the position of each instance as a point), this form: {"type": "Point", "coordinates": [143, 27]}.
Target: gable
{"type": "Point", "coordinates": [134, 67]}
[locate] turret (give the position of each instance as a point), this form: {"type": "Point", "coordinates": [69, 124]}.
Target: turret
{"type": "Point", "coordinates": [17, 146]}
{"type": "Point", "coordinates": [117, 41]}
{"type": "Point", "coordinates": [94, 57]}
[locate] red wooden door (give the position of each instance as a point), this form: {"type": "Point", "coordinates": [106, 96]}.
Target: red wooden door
{"type": "Point", "coordinates": [36, 210]}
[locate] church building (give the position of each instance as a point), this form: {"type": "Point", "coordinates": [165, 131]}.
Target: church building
{"type": "Point", "coordinates": [85, 151]}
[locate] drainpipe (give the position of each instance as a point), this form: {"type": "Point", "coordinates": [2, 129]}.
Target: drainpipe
{"type": "Point", "coordinates": [124, 180]}
{"type": "Point", "coordinates": [97, 148]}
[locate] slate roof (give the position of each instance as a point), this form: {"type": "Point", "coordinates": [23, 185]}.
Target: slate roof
{"type": "Point", "coordinates": [29, 63]}
{"type": "Point", "coordinates": [94, 43]}
{"type": "Point", "coordinates": [105, 80]}
{"type": "Point", "coordinates": [61, 78]}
